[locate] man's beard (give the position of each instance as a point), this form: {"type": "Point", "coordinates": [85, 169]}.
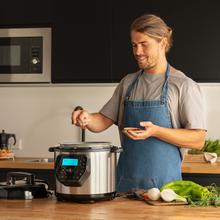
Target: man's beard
{"type": "Point", "coordinates": [147, 65]}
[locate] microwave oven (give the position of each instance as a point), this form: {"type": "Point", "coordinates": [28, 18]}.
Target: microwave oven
{"type": "Point", "coordinates": [25, 55]}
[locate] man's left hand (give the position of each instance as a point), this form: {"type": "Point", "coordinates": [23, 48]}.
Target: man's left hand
{"type": "Point", "coordinates": [141, 134]}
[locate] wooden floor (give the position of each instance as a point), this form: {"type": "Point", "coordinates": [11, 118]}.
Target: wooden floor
{"type": "Point", "coordinates": [119, 208]}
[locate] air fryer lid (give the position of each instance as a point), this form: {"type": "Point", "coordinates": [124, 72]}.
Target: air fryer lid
{"type": "Point", "coordinates": [85, 146]}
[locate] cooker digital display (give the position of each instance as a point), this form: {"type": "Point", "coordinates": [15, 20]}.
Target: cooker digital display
{"type": "Point", "coordinates": [70, 162]}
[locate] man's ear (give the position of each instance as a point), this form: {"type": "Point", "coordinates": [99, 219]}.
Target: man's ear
{"type": "Point", "coordinates": [163, 43]}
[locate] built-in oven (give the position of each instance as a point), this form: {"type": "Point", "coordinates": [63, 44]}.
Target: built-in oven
{"type": "Point", "coordinates": [25, 55]}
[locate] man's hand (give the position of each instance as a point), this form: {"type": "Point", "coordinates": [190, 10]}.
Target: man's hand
{"type": "Point", "coordinates": [148, 130]}
{"type": "Point", "coordinates": [181, 137]}
{"type": "Point", "coordinates": [80, 118]}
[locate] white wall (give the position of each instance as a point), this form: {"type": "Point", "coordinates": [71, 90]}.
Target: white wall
{"type": "Point", "coordinates": [212, 100]}
{"type": "Point", "coordinates": [40, 115]}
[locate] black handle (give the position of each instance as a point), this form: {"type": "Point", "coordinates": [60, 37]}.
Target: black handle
{"type": "Point", "coordinates": [83, 134]}
{"type": "Point", "coordinates": [115, 149]}
{"type": "Point", "coordinates": [51, 149]}
{"type": "Point", "coordinates": [13, 176]}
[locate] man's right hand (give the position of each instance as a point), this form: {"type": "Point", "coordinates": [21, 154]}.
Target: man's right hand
{"type": "Point", "coordinates": [80, 118]}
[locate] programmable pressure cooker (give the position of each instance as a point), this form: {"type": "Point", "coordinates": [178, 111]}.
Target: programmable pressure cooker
{"type": "Point", "coordinates": [85, 171]}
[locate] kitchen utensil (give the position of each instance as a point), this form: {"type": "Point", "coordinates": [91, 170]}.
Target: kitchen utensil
{"type": "Point", "coordinates": [4, 139]}
{"type": "Point", "coordinates": [85, 171]}
{"type": "Point", "coordinates": [83, 131]}
{"type": "Point", "coordinates": [22, 185]}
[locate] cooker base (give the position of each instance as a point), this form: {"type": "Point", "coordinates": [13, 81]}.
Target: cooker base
{"type": "Point", "coordinates": [85, 198]}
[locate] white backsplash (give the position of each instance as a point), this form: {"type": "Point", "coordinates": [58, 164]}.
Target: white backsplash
{"type": "Point", "coordinates": [40, 115]}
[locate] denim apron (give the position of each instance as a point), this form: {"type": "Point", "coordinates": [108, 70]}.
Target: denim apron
{"type": "Point", "coordinates": [151, 162]}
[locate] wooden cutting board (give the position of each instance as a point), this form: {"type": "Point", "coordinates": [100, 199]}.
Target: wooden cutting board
{"type": "Point", "coordinates": [163, 203]}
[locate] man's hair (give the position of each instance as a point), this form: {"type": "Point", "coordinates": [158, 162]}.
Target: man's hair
{"type": "Point", "coordinates": [154, 27]}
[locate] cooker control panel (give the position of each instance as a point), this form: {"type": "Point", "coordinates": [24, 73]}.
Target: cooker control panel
{"type": "Point", "coordinates": [72, 170]}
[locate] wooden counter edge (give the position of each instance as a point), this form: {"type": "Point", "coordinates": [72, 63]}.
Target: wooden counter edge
{"type": "Point", "coordinates": [187, 167]}
{"type": "Point", "coordinates": [23, 163]}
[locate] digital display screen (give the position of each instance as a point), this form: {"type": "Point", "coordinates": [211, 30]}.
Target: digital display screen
{"type": "Point", "coordinates": [70, 162]}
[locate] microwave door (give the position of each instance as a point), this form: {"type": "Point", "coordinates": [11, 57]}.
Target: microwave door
{"type": "Point", "coordinates": [19, 55]}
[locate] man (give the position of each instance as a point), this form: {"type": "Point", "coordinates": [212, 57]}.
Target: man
{"type": "Point", "coordinates": [158, 111]}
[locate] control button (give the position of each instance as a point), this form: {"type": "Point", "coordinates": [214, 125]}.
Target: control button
{"type": "Point", "coordinates": [35, 60]}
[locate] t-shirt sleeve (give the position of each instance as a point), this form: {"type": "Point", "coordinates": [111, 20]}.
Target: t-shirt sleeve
{"type": "Point", "coordinates": [112, 108]}
{"type": "Point", "coordinates": [192, 107]}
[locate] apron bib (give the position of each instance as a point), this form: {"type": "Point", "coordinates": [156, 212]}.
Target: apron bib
{"type": "Point", "coordinates": [144, 164]}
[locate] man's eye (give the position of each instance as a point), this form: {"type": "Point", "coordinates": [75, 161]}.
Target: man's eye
{"type": "Point", "coordinates": [145, 44]}
{"type": "Point", "coordinates": [134, 45]}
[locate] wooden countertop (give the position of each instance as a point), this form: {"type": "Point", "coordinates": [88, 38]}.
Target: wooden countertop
{"type": "Point", "coordinates": [119, 208]}
{"type": "Point", "coordinates": [187, 167]}
{"type": "Point", "coordinates": [201, 167]}
{"type": "Point", "coordinates": [24, 163]}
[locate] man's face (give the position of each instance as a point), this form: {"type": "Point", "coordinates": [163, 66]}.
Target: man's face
{"type": "Point", "coordinates": [147, 51]}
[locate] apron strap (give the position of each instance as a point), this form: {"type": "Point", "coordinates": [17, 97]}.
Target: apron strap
{"type": "Point", "coordinates": [130, 88]}
{"type": "Point", "coordinates": [163, 97]}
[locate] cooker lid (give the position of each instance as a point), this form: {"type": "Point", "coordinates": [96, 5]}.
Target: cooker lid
{"type": "Point", "coordinates": [83, 146]}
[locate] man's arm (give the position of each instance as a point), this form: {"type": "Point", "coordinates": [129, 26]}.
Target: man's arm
{"type": "Point", "coordinates": [189, 138]}
{"type": "Point", "coordinates": [98, 122]}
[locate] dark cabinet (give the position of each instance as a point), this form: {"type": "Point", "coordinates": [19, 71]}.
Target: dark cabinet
{"type": "Point", "coordinates": [91, 40]}
{"type": "Point", "coordinates": [81, 42]}
{"type": "Point", "coordinates": [25, 13]}
{"type": "Point", "coordinates": [196, 30]}
{"type": "Point", "coordinates": [202, 179]}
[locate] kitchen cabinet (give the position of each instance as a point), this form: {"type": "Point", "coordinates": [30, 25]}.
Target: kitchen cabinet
{"type": "Point", "coordinates": [25, 13]}
{"type": "Point", "coordinates": [91, 42]}
{"type": "Point", "coordinates": [81, 42]}
{"type": "Point", "coordinates": [202, 179]}
{"type": "Point", "coordinates": [196, 33]}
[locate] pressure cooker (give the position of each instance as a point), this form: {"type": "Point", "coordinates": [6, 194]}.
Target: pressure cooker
{"type": "Point", "coordinates": [85, 171]}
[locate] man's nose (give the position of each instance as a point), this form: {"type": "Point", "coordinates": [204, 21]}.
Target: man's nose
{"type": "Point", "coordinates": [138, 50]}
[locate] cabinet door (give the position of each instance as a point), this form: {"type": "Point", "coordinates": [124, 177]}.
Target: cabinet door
{"type": "Point", "coordinates": [196, 34]}
{"type": "Point", "coordinates": [123, 61]}
{"type": "Point", "coordinates": [25, 12]}
{"type": "Point", "coordinates": [81, 42]}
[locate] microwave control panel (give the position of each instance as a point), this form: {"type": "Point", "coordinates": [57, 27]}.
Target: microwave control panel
{"type": "Point", "coordinates": [36, 54]}
{"type": "Point", "coordinates": [72, 170]}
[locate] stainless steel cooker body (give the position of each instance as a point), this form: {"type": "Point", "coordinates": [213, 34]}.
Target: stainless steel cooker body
{"type": "Point", "coordinates": [86, 170]}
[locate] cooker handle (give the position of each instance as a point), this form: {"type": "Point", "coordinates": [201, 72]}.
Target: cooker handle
{"type": "Point", "coordinates": [116, 149]}
{"type": "Point", "coordinates": [53, 149]}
